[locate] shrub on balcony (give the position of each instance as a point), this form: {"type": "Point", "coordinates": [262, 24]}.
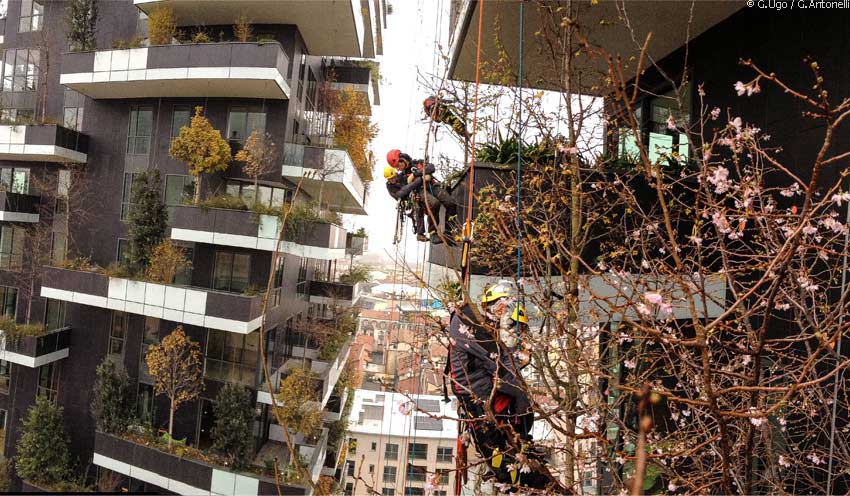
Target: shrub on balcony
{"type": "Point", "coordinates": [43, 456]}
{"type": "Point", "coordinates": [112, 404]}
{"type": "Point", "coordinates": [296, 390]}
{"type": "Point", "coordinates": [242, 29]}
{"type": "Point", "coordinates": [166, 261]}
{"type": "Point", "coordinates": [162, 26]}
{"type": "Point", "coordinates": [259, 156]}
{"type": "Point", "coordinates": [356, 274]}
{"type": "Point", "coordinates": [81, 17]}
{"type": "Point", "coordinates": [147, 219]}
{"type": "Point", "coordinates": [353, 130]}
{"type": "Point", "coordinates": [5, 476]}
{"type": "Point", "coordinates": [234, 420]}
{"type": "Point", "coordinates": [335, 334]}
{"type": "Point", "coordinates": [201, 147]}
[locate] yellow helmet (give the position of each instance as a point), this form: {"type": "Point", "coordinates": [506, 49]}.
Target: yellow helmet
{"type": "Point", "coordinates": [496, 291]}
{"type": "Point", "coordinates": [389, 172]}
{"type": "Point", "coordinates": [519, 314]}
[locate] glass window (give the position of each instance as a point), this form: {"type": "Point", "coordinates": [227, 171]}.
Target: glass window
{"type": "Point", "coordinates": [371, 469]}
{"type": "Point", "coordinates": [145, 403]}
{"type": "Point", "coordinates": [118, 333]}
{"type": "Point", "coordinates": [139, 134]}
{"type": "Point", "coordinates": [32, 16]}
{"type": "Point", "coordinates": [123, 253]}
{"type": "Point", "coordinates": [180, 117]}
{"type": "Point", "coordinates": [20, 72]}
{"type": "Point", "coordinates": [444, 454]}
{"type": "Point", "coordinates": [11, 247]}
{"type": "Point", "coordinates": [301, 284]}
{"type": "Point", "coordinates": [129, 177]}
{"type": "Point", "coordinates": [5, 379]}
{"type": "Point", "coordinates": [416, 473]}
{"type": "Point", "coordinates": [232, 271]}
{"type": "Point", "coordinates": [58, 249]}
{"type": "Point", "coordinates": [390, 474]}
{"type": "Point", "coordinates": [151, 331]}
{"type": "Point", "coordinates": [417, 451]}
{"type": "Point", "coordinates": [277, 291]}
{"type": "Point", "coordinates": [349, 468]}
{"type": "Point", "coordinates": [241, 122]}
{"type": "Point", "coordinates": [266, 195]}
{"type": "Point", "coordinates": [9, 299]}
{"type": "Point", "coordinates": [443, 476]}
{"type": "Point", "coordinates": [3, 415]}
{"type": "Point", "coordinates": [388, 491]}
{"type": "Point", "coordinates": [73, 118]}
{"type": "Point", "coordinates": [54, 314]}
{"type": "Point", "coordinates": [15, 179]}
{"type": "Point", "coordinates": [232, 357]}
{"type": "Point", "coordinates": [184, 275]}
{"type": "Point", "coordinates": [391, 451]}
{"type": "Point", "coordinates": [178, 189]}
{"type": "Point", "coordinates": [48, 381]}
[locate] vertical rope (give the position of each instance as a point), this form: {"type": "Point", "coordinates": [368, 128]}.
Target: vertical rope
{"type": "Point", "coordinates": [519, 176]}
{"type": "Point", "coordinates": [469, 199]}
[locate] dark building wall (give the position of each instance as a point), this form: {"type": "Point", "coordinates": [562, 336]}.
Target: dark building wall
{"type": "Point", "coordinates": [105, 122]}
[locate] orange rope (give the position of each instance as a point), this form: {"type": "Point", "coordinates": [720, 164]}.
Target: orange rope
{"type": "Point", "coordinates": [470, 199]}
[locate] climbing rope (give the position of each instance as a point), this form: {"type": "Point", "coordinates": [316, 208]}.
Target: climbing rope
{"type": "Point", "coordinates": [519, 178]}
{"type": "Point", "coordinates": [468, 229]}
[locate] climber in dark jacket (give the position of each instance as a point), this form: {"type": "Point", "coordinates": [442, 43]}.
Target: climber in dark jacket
{"type": "Point", "coordinates": [409, 179]}
{"type": "Point", "coordinates": [485, 379]}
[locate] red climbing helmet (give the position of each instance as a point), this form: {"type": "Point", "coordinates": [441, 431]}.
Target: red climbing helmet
{"type": "Point", "coordinates": [392, 157]}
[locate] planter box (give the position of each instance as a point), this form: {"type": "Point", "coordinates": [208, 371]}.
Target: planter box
{"type": "Point", "coordinates": [338, 293]}
{"type": "Point", "coordinates": [37, 351]}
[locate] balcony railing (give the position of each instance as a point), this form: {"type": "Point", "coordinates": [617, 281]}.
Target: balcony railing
{"type": "Point", "coordinates": [246, 229]}
{"type": "Point", "coordinates": [248, 70]}
{"type": "Point", "coordinates": [189, 305]}
{"type": "Point", "coordinates": [338, 293]}
{"type": "Point", "coordinates": [35, 351]}
{"type": "Point", "coordinates": [178, 474]}
{"type": "Point", "coordinates": [356, 245]}
{"type": "Point", "coordinates": [43, 143]}
{"type": "Point", "coordinates": [328, 176]}
{"type": "Point", "coordinates": [18, 207]}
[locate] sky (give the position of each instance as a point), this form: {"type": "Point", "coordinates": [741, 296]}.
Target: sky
{"type": "Point", "coordinates": [409, 46]}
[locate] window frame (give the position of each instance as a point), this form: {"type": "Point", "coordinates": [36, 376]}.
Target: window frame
{"type": "Point", "coordinates": [34, 19]}
{"type": "Point", "coordinates": [125, 324]}
{"type": "Point", "coordinates": [441, 454]}
{"type": "Point", "coordinates": [136, 112]}
{"type": "Point", "coordinates": [394, 476]}
{"type": "Point", "coordinates": [5, 377]}
{"type": "Point", "coordinates": [12, 260]}
{"type": "Point", "coordinates": [51, 389]}
{"type": "Point", "coordinates": [413, 451]}
{"type": "Point", "coordinates": [387, 452]}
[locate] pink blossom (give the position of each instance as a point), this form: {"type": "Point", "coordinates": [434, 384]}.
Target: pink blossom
{"type": "Point", "coordinates": [629, 364]}
{"type": "Point", "coordinates": [840, 197]}
{"type": "Point", "coordinates": [653, 298]}
{"type": "Point", "coordinates": [706, 154]}
{"type": "Point", "coordinates": [672, 487]}
{"type": "Point", "coordinates": [696, 240]}
{"type": "Point", "coordinates": [643, 309]}
{"type": "Point", "coordinates": [671, 122]}
{"type": "Point", "coordinates": [715, 113]}
{"type": "Point", "coordinates": [737, 123]}
{"type": "Point", "coordinates": [665, 308]}
{"type": "Point", "coordinates": [754, 88]}
{"type": "Point", "coordinates": [809, 230]}
{"type": "Point", "coordinates": [783, 462]}
{"type": "Point", "coordinates": [814, 458]}
{"type": "Point", "coordinates": [568, 150]}
{"type": "Point", "coordinates": [740, 88]}
{"type": "Point", "coordinates": [782, 306]}
{"type": "Point", "coordinates": [720, 179]}
{"type": "Point", "coordinates": [405, 408]}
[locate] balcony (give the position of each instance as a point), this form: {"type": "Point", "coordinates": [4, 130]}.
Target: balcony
{"type": "Point", "coordinates": [328, 175]}
{"type": "Point", "coordinates": [336, 403]}
{"type": "Point", "coordinates": [246, 229]}
{"type": "Point", "coordinates": [328, 374]}
{"type": "Point", "coordinates": [18, 207]}
{"type": "Point", "coordinates": [346, 75]}
{"type": "Point", "coordinates": [334, 293]}
{"type": "Point", "coordinates": [231, 70]}
{"type": "Point", "coordinates": [224, 311]}
{"type": "Point", "coordinates": [43, 143]}
{"type": "Point", "coordinates": [336, 29]}
{"type": "Point", "coordinates": [356, 244]}
{"type": "Point", "coordinates": [35, 351]}
{"type": "Point", "coordinates": [178, 474]}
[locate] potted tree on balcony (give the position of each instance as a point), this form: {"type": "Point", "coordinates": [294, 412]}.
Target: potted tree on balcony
{"type": "Point", "coordinates": [234, 419]}
{"type": "Point", "coordinates": [175, 365]}
{"type": "Point", "coordinates": [201, 147]}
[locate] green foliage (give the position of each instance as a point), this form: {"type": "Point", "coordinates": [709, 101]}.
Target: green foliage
{"type": "Point", "coordinates": [166, 261]}
{"type": "Point", "coordinates": [201, 37]}
{"type": "Point", "coordinates": [43, 448]}
{"type": "Point", "coordinates": [358, 273]}
{"type": "Point", "coordinates": [301, 218]}
{"type": "Point", "coordinates": [234, 420]}
{"type": "Point", "coordinates": [81, 17]}
{"type": "Point", "coordinates": [504, 151]}
{"type": "Point", "coordinates": [335, 335]}
{"type": "Point", "coordinates": [148, 218]}
{"type": "Point", "coordinates": [13, 331]}
{"type": "Point", "coordinates": [112, 404]}
{"type": "Point", "coordinates": [237, 203]}
{"type": "Point", "coordinates": [5, 475]}
{"type": "Point", "coordinates": [134, 42]}
{"type": "Point", "coordinates": [336, 433]}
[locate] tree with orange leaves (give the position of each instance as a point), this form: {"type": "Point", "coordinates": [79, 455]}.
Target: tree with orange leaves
{"type": "Point", "coordinates": [353, 130]}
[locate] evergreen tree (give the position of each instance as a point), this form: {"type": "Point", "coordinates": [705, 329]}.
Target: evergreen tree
{"type": "Point", "coordinates": [234, 418]}
{"type": "Point", "coordinates": [147, 219]}
{"type": "Point", "coordinates": [81, 17]}
{"type": "Point", "coordinates": [112, 405]}
{"type": "Point", "coordinates": [43, 448]}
